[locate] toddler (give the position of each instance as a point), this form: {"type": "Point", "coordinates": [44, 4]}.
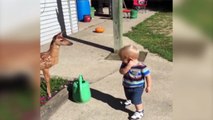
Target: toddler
{"type": "Point", "coordinates": [135, 75]}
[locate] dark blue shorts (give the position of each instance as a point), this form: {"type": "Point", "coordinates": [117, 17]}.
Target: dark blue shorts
{"type": "Point", "coordinates": [134, 94]}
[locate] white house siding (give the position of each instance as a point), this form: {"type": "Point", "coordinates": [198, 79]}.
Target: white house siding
{"type": "Point", "coordinates": [49, 25]}
{"type": "Point", "coordinates": [73, 16]}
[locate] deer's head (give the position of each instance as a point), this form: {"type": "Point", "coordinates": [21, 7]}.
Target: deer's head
{"type": "Point", "coordinates": [60, 40]}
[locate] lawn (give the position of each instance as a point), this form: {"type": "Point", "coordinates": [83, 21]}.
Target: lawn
{"type": "Point", "coordinates": [17, 104]}
{"type": "Point", "coordinates": [155, 34]}
{"type": "Point", "coordinates": [197, 13]}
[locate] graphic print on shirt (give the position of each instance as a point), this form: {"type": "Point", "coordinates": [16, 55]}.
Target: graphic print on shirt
{"type": "Point", "coordinates": [135, 77]}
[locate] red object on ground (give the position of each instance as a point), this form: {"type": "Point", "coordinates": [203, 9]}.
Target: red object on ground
{"type": "Point", "coordinates": [87, 18]}
{"type": "Point", "coordinates": [126, 11]}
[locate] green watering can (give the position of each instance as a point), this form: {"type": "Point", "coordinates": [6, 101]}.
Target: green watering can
{"type": "Point", "coordinates": [81, 90]}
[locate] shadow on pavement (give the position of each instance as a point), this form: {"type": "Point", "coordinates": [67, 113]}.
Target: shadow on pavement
{"type": "Point", "coordinates": [91, 44]}
{"type": "Point", "coordinates": [113, 102]}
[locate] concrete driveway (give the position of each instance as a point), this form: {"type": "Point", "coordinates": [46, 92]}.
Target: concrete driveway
{"type": "Point", "coordinates": [87, 57]}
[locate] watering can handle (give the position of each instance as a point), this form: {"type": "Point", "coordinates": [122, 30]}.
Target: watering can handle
{"type": "Point", "coordinates": [80, 80]}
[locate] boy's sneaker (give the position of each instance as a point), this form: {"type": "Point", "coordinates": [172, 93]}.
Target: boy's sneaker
{"type": "Point", "coordinates": [127, 103]}
{"type": "Point", "coordinates": [137, 115]}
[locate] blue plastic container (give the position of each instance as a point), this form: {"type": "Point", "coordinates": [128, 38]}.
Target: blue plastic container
{"type": "Point", "coordinates": [83, 8]}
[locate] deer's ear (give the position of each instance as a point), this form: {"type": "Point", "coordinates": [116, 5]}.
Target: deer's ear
{"type": "Point", "coordinates": [59, 35]}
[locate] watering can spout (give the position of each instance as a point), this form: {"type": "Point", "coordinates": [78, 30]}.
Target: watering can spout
{"type": "Point", "coordinates": [81, 90]}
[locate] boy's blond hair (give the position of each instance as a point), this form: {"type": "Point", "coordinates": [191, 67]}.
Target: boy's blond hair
{"type": "Point", "coordinates": [129, 51]}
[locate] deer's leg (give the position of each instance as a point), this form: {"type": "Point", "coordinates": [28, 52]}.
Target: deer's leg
{"type": "Point", "coordinates": [47, 79]}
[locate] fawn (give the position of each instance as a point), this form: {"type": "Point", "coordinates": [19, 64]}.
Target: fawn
{"type": "Point", "coordinates": [50, 58]}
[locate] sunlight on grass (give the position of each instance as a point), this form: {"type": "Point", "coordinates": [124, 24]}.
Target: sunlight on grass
{"type": "Point", "coordinates": [56, 85]}
{"type": "Point", "coordinates": [155, 34]}
{"type": "Point", "coordinates": [197, 13]}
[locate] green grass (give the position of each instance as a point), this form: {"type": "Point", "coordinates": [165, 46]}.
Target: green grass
{"type": "Point", "coordinates": [56, 85]}
{"type": "Point", "coordinates": [155, 34]}
{"type": "Point", "coordinates": [197, 13]}
{"type": "Point", "coordinates": [15, 105]}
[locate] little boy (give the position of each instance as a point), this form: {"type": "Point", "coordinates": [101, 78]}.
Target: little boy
{"type": "Point", "coordinates": [135, 73]}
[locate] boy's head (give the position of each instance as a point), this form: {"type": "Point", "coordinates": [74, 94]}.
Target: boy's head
{"type": "Point", "coordinates": [128, 53]}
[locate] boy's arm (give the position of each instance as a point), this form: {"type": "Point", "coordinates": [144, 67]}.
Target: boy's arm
{"type": "Point", "coordinates": [125, 69]}
{"type": "Point", "coordinates": [149, 83]}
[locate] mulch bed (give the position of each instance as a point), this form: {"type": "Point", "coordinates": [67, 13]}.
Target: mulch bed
{"type": "Point", "coordinates": [57, 84]}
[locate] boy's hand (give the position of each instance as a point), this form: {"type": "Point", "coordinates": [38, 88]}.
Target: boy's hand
{"type": "Point", "coordinates": [132, 63]}
{"type": "Point", "coordinates": [148, 89]}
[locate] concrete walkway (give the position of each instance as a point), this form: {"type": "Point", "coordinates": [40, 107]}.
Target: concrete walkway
{"type": "Point", "coordinates": [87, 57]}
